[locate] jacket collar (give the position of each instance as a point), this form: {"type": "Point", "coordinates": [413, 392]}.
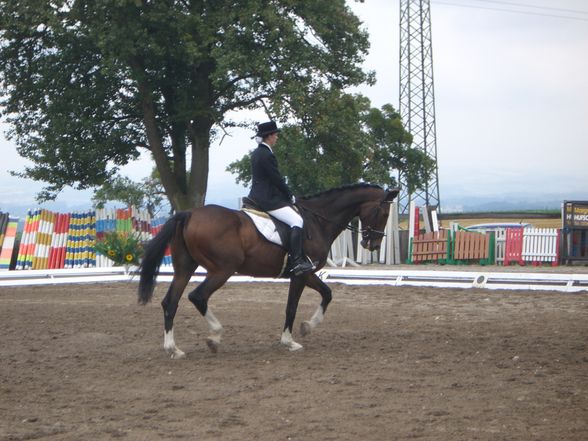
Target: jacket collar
{"type": "Point", "coordinates": [264, 144]}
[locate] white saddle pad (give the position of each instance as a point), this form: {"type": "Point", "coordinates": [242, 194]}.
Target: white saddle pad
{"type": "Point", "coordinates": [264, 225]}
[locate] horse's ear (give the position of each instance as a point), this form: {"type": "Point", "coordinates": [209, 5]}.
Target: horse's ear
{"type": "Point", "coordinates": [391, 193]}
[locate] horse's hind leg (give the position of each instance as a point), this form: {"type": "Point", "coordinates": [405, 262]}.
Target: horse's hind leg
{"type": "Point", "coordinates": [313, 281]}
{"type": "Point", "coordinates": [294, 293]}
{"type": "Point", "coordinates": [199, 297]}
{"type": "Point", "coordinates": [170, 306]}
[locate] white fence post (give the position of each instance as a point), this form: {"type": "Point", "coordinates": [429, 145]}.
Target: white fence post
{"type": "Point", "coordinates": [500, 245]}
{"type": "Point", "coordinates": [342, 250]}
{"type": "Point", "coordinates": [435, 221]}
{"type": "Point", "coordinates": [390, 253]}
{"type": "Point", "coordinates": [411, 220]}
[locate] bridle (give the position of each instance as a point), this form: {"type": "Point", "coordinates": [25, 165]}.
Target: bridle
{"type": "Point", "coordinates": [370, 234]}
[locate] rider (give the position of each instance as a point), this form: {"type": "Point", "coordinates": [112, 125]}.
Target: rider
{"type": "Point", "coordinates": [271, 193]}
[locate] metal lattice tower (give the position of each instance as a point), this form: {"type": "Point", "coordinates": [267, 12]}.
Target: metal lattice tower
{"type": "Point", "coordinates": [417, 97]}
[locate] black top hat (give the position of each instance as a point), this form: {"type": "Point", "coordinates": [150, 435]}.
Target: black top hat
{"type": "Point", "coordinates": [267, 128]}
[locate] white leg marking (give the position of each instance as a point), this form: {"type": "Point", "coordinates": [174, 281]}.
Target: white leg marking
{"type": "Point", "coordinates": [169, 344]}
{"type": "Point", "coordinates": [316, 319]}
{"type": "Point", "coordinates": [287, 341]}
{"type": "Point", "coordinates": [216, 331]}
{"type": "Point", "coordinates": [215, 326]}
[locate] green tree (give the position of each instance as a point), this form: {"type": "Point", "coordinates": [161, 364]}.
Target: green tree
{"type": "Point", "coordinates": [341, 140]}
{"type": "Point", "coordinates": [390, 150]}
{"type": "Point", "coordinates": [147, 194]}
{"type": "Point", "coordinates": [86, 85]}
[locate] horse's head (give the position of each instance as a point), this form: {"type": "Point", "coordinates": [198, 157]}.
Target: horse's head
{"type": "Point", "coordinates": [373, 216]}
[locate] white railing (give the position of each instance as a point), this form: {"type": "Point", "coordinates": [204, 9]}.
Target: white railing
{"type": "Point", "coordinates": [540, 245]}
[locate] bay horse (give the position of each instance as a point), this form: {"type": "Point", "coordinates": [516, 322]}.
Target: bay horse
{"type": "Point", "coordinates": [225, 242]}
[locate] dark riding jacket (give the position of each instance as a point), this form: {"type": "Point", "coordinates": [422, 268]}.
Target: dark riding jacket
{"type": "Point", "coordinates": [269, 189]}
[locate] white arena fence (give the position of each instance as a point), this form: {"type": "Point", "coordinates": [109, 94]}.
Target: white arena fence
{"type": "Point", "coordinates": [570, 283]}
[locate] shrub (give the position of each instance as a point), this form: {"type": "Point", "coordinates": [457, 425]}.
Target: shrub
{"type": "Point", "coordinates": [122, 248]}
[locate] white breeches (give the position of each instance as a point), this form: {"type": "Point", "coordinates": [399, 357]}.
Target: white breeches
{"type": "Point", "coordinates": [288, 216]}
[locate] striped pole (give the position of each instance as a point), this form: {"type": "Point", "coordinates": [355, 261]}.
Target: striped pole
{"type": "Point", "coordinates": [105, 223]}
{"type": "Point", "coordinates": [57, 241]}
{"type": "Point", "coordinates": [90, 240]}
{"type": "Point", "coordinates": [9, 238]}
{"type": "Point", "coordinates": [22, 251]}
{"type": "Point", "coordinates": [28, 240]}
{"type": "Point", "coordinates": [156, 226]}
{"type": "Point", "coordinates": [63, 240]}
{"type": "Point", "coordinates": [38, 230]}
{"type": "Point", "coordinates": [20, 260]}
{"type": "Point", "coordinates": [72, 234]}
{"type": "Point", "coordinates": [76, 245]}
{"type": "Point", "coordinates": [3, 227]}
{"type": "Point", "coordinates": [33, 239]}
{"type": "Point", "coordinates": [43, 239]}
{"type": "Point", "coordinates": [53, 245]}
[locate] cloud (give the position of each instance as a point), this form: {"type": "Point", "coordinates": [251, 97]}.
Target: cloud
{"type": "Point", "coordinates": [511, 100]}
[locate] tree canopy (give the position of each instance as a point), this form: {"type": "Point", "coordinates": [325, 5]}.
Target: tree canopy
{"type": "Point", "coordinates": [87, 85]}
{"type": "Point", "coordinates": [340, 139]}
{"type": "Point", "coordinates": [146, 194]}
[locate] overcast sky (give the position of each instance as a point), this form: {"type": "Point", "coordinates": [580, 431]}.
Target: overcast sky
{"type": "Point", "coordinates": [511, 100]}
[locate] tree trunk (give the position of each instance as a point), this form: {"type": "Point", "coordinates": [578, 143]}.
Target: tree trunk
{"type": "Point", "coordinates": [198, 183]}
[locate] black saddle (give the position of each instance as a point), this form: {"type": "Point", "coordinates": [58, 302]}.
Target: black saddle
{"type": "Point", "coordinates": [250, 203]}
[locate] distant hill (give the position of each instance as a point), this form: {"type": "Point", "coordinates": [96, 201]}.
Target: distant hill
{"type": "Point", "coordinates": [450, 204]}
{"type": "Point", "coordinates": [512, 202]}
{"type": "Point", "coordinates": [20, 210]}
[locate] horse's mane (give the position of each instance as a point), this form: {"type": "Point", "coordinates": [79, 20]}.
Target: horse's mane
{"type": "Point", "coordinates": [340, 189]}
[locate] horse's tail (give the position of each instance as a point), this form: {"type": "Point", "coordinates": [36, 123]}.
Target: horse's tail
{"type": "Point", "coordinates": [154, 252]}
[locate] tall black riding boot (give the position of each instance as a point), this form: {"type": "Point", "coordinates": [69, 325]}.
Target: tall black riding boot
{"type": "Point", "coordinates": [300, 263]}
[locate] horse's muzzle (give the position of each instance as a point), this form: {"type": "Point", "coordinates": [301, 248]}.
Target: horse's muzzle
{"type": "Point", "coordinates": [369, 245]}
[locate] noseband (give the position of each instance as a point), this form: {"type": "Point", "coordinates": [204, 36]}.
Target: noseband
{"type": "Point", "coordinates": [370, 234]}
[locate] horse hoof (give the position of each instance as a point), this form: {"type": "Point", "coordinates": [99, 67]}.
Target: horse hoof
{"type": "Point", "coordinates": [293, 346]}
{"type": "Point", "coordinates": [212, 345]}
{"type": "Point", "coordinates": [305, 328]}
{"type": "Point", "coordinates": [178, 354]}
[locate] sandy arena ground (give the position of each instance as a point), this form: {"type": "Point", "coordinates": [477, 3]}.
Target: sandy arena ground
{"type": "Point", "coordinates": [85, 362]}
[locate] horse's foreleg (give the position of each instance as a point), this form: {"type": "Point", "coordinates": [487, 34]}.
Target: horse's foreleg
{"type": "Point", "coordinates": [294, 293]}
{"type": "Point", "coordinates": [313, 281]}
{"type": "Point", "coordinates": [170, 306]}
{"type": "Point", "coordinates": [199, 297]}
